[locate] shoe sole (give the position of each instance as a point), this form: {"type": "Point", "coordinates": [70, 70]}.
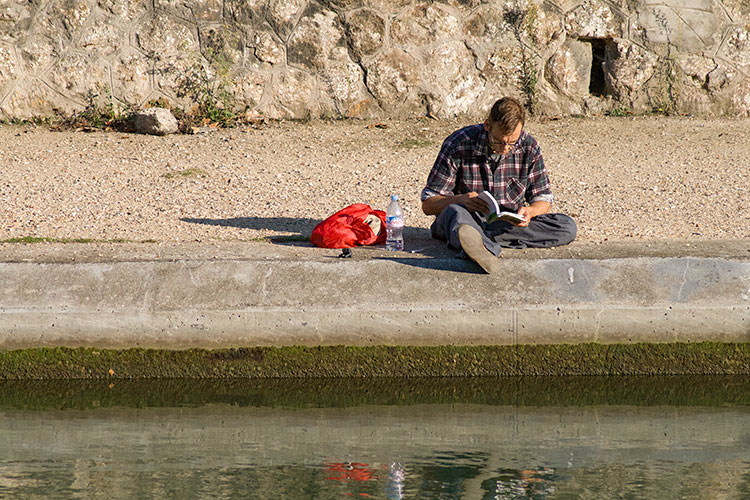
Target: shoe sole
{"type": "Point", "coordinates": [472, 244]}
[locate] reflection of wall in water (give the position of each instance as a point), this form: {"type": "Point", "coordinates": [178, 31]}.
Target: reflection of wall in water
{"type": "Point", "coordinates": [470, 450]}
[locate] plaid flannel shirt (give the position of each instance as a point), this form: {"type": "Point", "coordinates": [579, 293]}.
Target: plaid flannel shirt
{"type": "Point", "coordinates": [467, 163]}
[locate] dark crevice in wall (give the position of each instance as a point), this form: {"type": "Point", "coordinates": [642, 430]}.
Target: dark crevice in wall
{"type": "Point", "coordinates": [597, 84]}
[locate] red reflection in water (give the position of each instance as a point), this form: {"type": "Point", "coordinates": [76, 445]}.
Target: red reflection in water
{"type": "Point", "coordinates": [350, 471]}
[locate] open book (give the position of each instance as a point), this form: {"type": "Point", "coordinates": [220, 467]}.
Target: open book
{"type": "Point", "coordinates": [495, 212]}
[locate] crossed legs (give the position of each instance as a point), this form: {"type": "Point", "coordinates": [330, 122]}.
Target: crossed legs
{"type": "Point", "coordinates": [483, 243]}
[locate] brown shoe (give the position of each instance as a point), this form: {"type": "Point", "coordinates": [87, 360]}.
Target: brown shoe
{"type": "Point", "coordinates": [472, 244]}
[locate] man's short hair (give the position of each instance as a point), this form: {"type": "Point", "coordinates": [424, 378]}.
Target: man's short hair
{"type": "Point", "coordinates": [506, 114]}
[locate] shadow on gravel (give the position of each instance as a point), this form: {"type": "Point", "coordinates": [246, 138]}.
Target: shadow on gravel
{"type": "Point", "coordinates": [287, 224]}
{"type": "Point", "coordinates": [428, 252]}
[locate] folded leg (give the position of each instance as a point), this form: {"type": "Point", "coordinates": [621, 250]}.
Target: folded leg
{"type": "Point", "coordinates": [546, 230]}
{"type": "Point", "coordinates": [447, 223]}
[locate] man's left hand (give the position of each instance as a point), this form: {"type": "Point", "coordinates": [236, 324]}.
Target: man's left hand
{"type": "Point", "coordinates": [527, 214]}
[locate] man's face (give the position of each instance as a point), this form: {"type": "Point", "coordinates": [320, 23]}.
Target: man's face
{"type": "Point", "coordinates": [499, 143]}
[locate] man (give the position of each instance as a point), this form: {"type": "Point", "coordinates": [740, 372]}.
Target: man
{"type": "Point", "coordinates": [500, 157]}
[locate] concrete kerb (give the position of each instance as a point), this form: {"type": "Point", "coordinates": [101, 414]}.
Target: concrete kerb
{"type": "Point", "coordinates": [219, 295]}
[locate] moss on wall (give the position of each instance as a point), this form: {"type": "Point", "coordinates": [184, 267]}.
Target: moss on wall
{"type": "Point", "coordinates": [673, 390]}
{"type": "Point", "coordinates": [378, 361]}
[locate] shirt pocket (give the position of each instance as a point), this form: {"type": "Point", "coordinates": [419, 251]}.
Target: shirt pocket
{"type": "Point", "coordinates": [514, 191]}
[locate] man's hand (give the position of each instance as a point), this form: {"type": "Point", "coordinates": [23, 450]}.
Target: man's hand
{"type": "Point", "coordinates": [526, 213]}
{"type": "Point", "coordinates": [435, 204]}
{"type": "Point", "coordinates": [474, 203]}
{"type": "Point", "coordinates": [531, 211]}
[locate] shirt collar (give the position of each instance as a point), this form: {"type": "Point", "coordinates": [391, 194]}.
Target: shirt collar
{"type": "Point", "coordinates": [483, 145]}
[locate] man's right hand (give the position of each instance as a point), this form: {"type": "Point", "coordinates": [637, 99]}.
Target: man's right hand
{"type": "Point", "coordinates": [436, 204]}
{"type": "Point", "coordinates": [474, 203]}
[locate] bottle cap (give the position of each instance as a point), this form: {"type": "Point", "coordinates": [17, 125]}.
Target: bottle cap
{"type": "Point", "coordinates": [394, 197]}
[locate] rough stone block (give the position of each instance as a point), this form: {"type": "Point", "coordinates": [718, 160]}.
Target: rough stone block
{"type": "Point", "coordinates": [738, 9]}
{"type": "Point", "coordinates": [15, 20]}
{"type": "Point", "coordinates": [344, 81]}
{"type": "Point", "coordinates": [391, 77]}
{"type": "Point", "coordinates": [454, 81]}
{"type": "Point", "coordinates": [163, 37]}
{"type": "Point", "coordinates": [592, 19]}
{"type": "Point", "coordinates": [198, 10]}
{"type": "Point", "coordinates": [283, 14]}
{"type": "Point", "coordinates": [365, 29]}
{"type": "Point", "coordinates": [182, 77]}
{"type": "Point", "coordinates": [155, 121]}
{"type": "Point", "coordinates": [627, 68]}
{"type": "Point", "coordinates": [81, 77]}
{"type": "Point", "coordinates": [103, 37]}
{"type": "Point", "coordinates": [693, 25]}
{"type": "Point", "coordinates": [244, 12]}
{"type": "Point", "coordinates": [548, 28]}
{"type": "Point", "coordinates": [736, 46]}
{"type": "Point", "coordinates": [425, 23]}
{"type": "Point", "coordinates": [569, 69]}
{"type": "Point", "coordinates": [33, 99]}
{"type": "Point", "coordinates": [133, 84]}
{"type": "Point", "coordinates": [37, 54]}
{"type": "Point", "coordinates": [695, 68]}
{"type": "Point", "coordinates": [295, 95]}
{"type": "Point", "coordinates": [8, 67]}
{"type": "Point", "coordinates": [487, 25]}
{"type": "Point", "coordinates": [71, 15]}
{"type": "Point", "coordinates": [252, 86]}
{"type": "Point", "coordinates": [719, 78]}
{"type": "Point", "coordinates": [741, 99]}
{"type": "Point", "coordinates": [387, 6]}
{"type": "Point", "coordinates": [344, 5]}
{"type": "Point", "coordinates": [267, 49]}
{"type": "Point", "coordinates": [314, 38]}
{"type": "Point", "coordinates": [125, 10]}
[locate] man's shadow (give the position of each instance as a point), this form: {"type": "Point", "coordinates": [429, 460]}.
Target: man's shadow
{"type": "Point", "coordinates": [418, 240]}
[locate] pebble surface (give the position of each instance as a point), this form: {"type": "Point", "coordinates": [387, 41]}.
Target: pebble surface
{"type": "Point", "coordinates": [621, 178]}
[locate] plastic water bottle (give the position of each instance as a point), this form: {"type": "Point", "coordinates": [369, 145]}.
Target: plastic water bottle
{"type": "Point", "coordinates": [394, 225]}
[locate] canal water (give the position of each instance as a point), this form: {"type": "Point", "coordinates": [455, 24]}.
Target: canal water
{"type": "Point", "coordinates": [508, 438]}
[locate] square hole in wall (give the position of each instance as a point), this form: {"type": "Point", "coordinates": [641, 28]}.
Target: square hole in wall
{"type": "Point", "coordinates": [597, 82]}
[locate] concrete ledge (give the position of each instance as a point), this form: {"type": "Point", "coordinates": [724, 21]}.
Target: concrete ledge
{"type": "Point", "coordinates": [276, 295]}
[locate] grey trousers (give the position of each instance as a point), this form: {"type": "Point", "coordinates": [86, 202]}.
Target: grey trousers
{"type": "Point", "coordinates": [546, 230]}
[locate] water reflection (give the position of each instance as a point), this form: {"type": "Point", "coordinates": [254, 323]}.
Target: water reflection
{"type": "Point", "coordinates": [473, 441]}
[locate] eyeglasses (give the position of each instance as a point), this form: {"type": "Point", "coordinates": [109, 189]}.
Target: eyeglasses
{"type": "Point", "coordinates": [501, 145]}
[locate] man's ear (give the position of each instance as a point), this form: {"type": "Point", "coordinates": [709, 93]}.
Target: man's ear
{"type": "Point", "coordinates": [487, 125]}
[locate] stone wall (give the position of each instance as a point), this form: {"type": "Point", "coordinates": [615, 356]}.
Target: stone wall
{"type": "Point", "coordinates": [370, 58]}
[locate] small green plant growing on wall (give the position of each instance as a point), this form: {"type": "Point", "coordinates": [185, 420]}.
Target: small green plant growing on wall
{"type": "Point", "coordinates": [96, 117]}
{"type": "Point", "coordinates": [207, 83]}
{"type": "Point", "coordinates": [522, 23]}
{"type": "Point", "coordinates": [667, 102]}
{"type": "Point", "coordinates": [620, 111]}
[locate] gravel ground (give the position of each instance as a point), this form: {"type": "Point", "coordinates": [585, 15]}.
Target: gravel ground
{"type": "Point", "coordinates": [620, 178]}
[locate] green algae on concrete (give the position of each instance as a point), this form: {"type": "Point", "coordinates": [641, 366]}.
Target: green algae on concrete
{"type": "Point", "coordinates": [672, 390]}
{"type": "Point", "coordinates": [379, 361]}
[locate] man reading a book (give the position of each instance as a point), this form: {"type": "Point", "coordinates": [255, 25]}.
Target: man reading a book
{"type": "Point", "coordinates": [497, 156]}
